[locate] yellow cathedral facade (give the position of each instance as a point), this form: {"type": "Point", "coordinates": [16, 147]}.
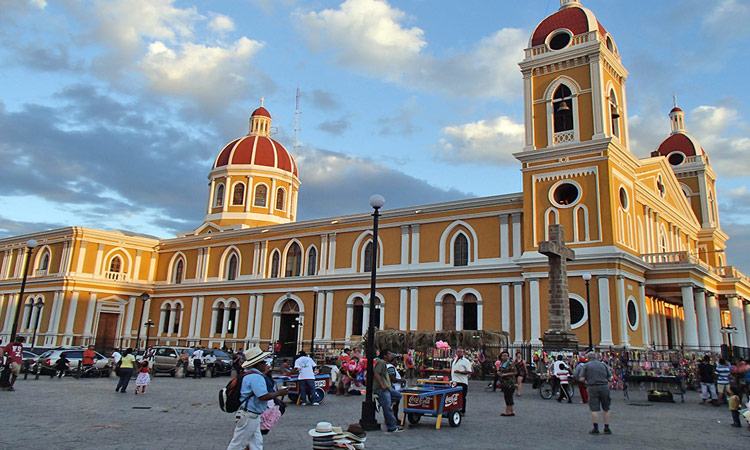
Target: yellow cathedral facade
{"type": "Point", "coordinates": [645, 232]}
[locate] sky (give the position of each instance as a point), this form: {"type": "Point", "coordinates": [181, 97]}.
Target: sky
{"type": "Point", "coordinates": [112, 111]}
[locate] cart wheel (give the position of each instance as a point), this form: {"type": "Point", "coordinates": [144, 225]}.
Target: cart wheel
{"type": "Point", "coordinates": [318, 395]}
{"type": "Point", "coordinates": [293, 397]}
{"type": "Point", "coordinates": [454, 418]}
{"type": "Point", "coordinates": [545, 390]}
{"type": "Point", "coordinates": [413, 418]}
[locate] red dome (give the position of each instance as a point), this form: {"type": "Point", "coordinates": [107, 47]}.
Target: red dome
{"type": "Point", "coordinates": [257, 150]}
{"type": "Point", "coordinates": [261, 112]}
{"type": "Point", "coordinates": [680, 142]}
{"type": "Point", "coordinates": [575, 18]}
{"type": "Point", "coordinates": [674, 110]}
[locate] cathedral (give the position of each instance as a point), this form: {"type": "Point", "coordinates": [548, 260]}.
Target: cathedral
{"type": "Point", "coordinates": [649, 272]}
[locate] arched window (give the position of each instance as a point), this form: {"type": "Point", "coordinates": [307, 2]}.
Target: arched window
{"type": "Point", "coordinates": [219, 324]}
{"type": "Point", "coordinates": [177, 317]}
{"type": "Point", "coordinates": [261, 191]}
{"type": "Point", "coordinates": [238, 197]}
{"type": "Point", "coordinates": [115, 265]}
{"type": "Point", "coordinates": [470, 312]}
{"type": "Point", "coordinates": [461, 250]}
{"type": "Point", "coordinates": [28, 311]}
{"type": "Point", "coordinates": [293, 261]}
{"type": "Point", "coordinates": [562, 107]}
{"type": "Point", "coordinates": [312, 261]}
{"type": "Point", "coordinates": [219, 199]}
{"type": "Point", "coordinates": [44, 263]}
{"type": "Point", "coordinates": [166, 312]}
{"type": "Point", "coordinates": [232, 319]}
{"type": "Point", "coordinates": [358, 309]}
{"type": "Point", "coordinates": [449, 312]}
{"type": "Point", "coordinates": [275, 262]}
{"type": "Point", "coordinates": [614, 114]}
{"type": "Point", "coordinates": [280, 199]}
{"type": "Point", "coordinates": [368, 257]}
{"type": "Point", "coordinates": [232, 267]}
{"type": "Point", "coordinates": [179, 271]}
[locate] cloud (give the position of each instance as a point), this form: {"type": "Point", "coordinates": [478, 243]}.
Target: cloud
{"type": "Point", "coordinates": [9, 227]}
{"type": "Point", "coordinates": [220, 23]}
{"type": "Point", "coordinates": [727, 18]}
{"type": "Point", "coordinates": [370, 36]}
{"type": "Point", "coordinates": [490, 141]}
{"type": "Point", "coordinates": [722, 135]}
{"type": "Point", "coordinates": [322, 99]}
{"type": "Point", "coordinates": [401, 121]}
{"type": "Point", "coordinates": [335, 127]}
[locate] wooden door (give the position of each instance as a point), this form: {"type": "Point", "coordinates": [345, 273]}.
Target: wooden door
{"type": "Point", "coordinates": [106, 332]}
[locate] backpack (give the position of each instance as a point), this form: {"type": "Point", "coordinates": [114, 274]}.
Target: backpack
{"type": "Point", "coordinates": [229, 397]}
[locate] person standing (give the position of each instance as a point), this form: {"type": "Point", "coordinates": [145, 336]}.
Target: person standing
{"type": "Point", "coordinates": [14, 359]}
{"type": "Point", "coordinates": [521, 371]}
{"type": "Point", "coordinates": [254, 397]}
{"type": "Point", "coordinates": [734, 407]}
{"type": "Point", "coordinates": [562, 373]}
{"type": "Point", "coordinates": [143, 379]}
{"type": "Point", "coordinates": [577, 374]}
{"type": "Point", "coordinates": [342, 363]}
{"type": "Point", "coordinates": [410, 366]}
{"type": "Point", "coordinates": [385, 392]}
{"type": "Point", "coordinates": [460, 371]}
{"type": "Point", "coordinates": [197, 362]}
{"type": "Point", "coordinates": [125, 368]}
{"type": "Point", "coordinates": [722, 379]}
{"type": "Point", "coordinates": [597, 376]}
{"type": "Point", "coordinates": [89, 357]}
{"type": "Point", "coordinates": [305, 367]}
{"type": "Point", "coordinates": [507, 374]}
{"type": "Point", "coordinates": [707, 376]}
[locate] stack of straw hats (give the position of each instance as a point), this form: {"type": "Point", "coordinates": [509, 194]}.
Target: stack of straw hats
{"type": "Point", "coordinates": [326, 436]}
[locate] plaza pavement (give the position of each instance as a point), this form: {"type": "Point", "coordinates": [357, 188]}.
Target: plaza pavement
{"type": "Point", "coordinates": [184, 414]}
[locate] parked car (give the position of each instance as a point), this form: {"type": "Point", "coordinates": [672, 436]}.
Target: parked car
{"type": "Point", "coordinates": [165, 358]}
{"type": "Point", "coordinates": [29, 359]}
{"type": "Point", "coordinates": [48, 359]}
{"type": "Point", "coordinates": [223, 365]}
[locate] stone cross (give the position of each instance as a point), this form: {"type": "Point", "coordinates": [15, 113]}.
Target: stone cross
{"type": "Point", "coordinates": [558, 302]}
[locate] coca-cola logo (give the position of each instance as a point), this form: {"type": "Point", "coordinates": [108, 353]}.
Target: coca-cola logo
{"type": "Point", "coordinates": [416, 402]}
{"type": "Point", "coordinates": [320, 383]}
{"type": "Point", "coordinates": [451, 399]}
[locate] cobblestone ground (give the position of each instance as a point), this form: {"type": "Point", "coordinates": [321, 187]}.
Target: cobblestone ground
{"type": "Point", "coordinates": [184, 414]}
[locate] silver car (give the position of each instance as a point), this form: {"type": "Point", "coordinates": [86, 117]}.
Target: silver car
{"type": "Point", "coordinates": [48, 359]}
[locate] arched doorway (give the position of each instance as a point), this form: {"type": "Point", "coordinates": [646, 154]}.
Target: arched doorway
{"type": "Point", "coordinates": [449, 312]}
{"type": "Point", "coordinates": [289, 328]}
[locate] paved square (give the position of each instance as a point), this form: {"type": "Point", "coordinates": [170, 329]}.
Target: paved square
{"type": "Point", "coordinates": [184, 414]}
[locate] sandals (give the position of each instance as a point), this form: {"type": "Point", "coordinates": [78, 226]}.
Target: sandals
{"type": "Point", "coordinates": [507, 415]}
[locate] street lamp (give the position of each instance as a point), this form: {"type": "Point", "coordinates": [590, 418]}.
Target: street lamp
{"type": "Point", "coordinates": [587, 277]}
{"type": "Point", "coordinates": [729, 330]}
{"type": "Point", "coordinates": [38, 305]}
{"type": "Point", "coordinates": [145, 297]}
{"type": "Point", "coordinates": [148, 326]}
{"type": "Point", "coordinates": [30, 245]}
{"type": "Point", "coordinates": [315, 290]}
{"type": "Point", "coordinates": [368, 421]}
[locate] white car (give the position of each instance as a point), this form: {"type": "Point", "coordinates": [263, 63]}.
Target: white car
{"type": "Point", "coordinates": [48, 359]}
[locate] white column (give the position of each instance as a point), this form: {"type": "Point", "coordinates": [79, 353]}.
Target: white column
{"type": "Point", "coordinates": [90, 309]}
{"type": "Point", "coordinates": [704, 339]}
{"type": "Point", "coordinates": [736, 312]}
{"type": "Point", "coordinates": [258, 318]}
{"type": "Point", "coordinates": [663, 326]}
{"type": "Point", "coordinates": [137, 265]}
{"type": "Point", "coordinates": [534, 310]}
{"type": "Point", "coordinates": [320, 301]}
{"type": "Point", "coordinates": [210, 197]}
{"type": "Point", "coordinates": [349, 317]}
{"type": "Point", "coordinates": [172, 316]}
{"type": "Point", "coordinates": [199, 317]}
{"type": "Point", "coordinates": [504, 247]}
{"type": "Point", "coordinates": [691, 326]}
{"type": "Point", "coordinates": [332, 254]}
{"type": "Point", "coordinates": [404, 246]}
{"type": "Point", "coordinates": [193, 315]}
{"type": "Point", "coordinates": [438, 314]}
{"type": "Point", "coordinates": [403, 303]}
{"type": "Point", "coordinates": [71, 314]}
{"type": "Point", "coordinates": [597, 93]}
{"type": "Point", "coordinates": [645, 319]}
{"type": "Point", "coordinates": [714, 320]}
{"type": "Point", "coordinates": [505, 307]}
{"type": "Point", "coordinates": [414, 309]}
{"type": "Point", "coordinates": [518, 313]}
{"type": "Point", "coordinates": [250, 318]}
{"type": "Point", "coordinates": [480, 315]}
{"type": "Point", "coordinates": [605, 313]}
{"type": "Point", "coordinates": [622, 312]}
{"type": "Point", "coordinates": [653, 321]}
{"type": "Point", "coordinates": [365, 317]}
{"type": "Point", "coordinates": [747, 323]}
{"type": "Point", "coordinates": [248, 194]}
{"type": "Point", "coordinates": [415, 244]}
{"type": "Point", "coordinates": [459, 314]}
{"type": "Point", "coordinates": [329, 314]}
{"type": "Point", "coordinates": [517, 235]}
{"type": "Point", "coordinates": [528, 96]}
{"type": "Point", "coordinates": [225, 322]}
{"type": "Point", "coordinates": [50, 338]}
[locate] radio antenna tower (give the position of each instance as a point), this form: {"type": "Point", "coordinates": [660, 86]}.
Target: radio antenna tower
{"type": "Point", "coordinates": [296, 123]}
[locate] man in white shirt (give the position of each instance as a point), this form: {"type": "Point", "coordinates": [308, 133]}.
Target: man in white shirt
{"type": "Point", "coordinates": [562, 372]}
{"type": "Point", "coordinates": [197, 362]}
{"type": "Point", "coordinates": [460, 371]}
{"type": "Point", "coordinates": [304, 366]}
{"type": "Point", "coordinates": [210, 360]}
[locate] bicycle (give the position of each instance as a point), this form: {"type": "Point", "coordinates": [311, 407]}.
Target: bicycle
{"type": "Point", "coordinates": [549, 387]}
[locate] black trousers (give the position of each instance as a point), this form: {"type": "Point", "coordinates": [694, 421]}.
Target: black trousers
{"type": "Point", "coordinates": [465, 388]}
{"type": "Point", "coordinates": [197, 368]}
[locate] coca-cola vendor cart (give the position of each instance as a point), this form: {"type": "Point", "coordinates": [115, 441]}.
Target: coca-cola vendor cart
{"type": "Point", "coordinates": [322, 385]}
{"type": "Point", "coordinates": [433, 401]}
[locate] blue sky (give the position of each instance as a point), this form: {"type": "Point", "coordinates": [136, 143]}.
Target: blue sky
{"type": "Point", "coordinates": [111, 112]}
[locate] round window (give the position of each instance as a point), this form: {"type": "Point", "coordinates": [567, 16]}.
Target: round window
{"type": "Point", "coordinates": [565, 194]}
{"type": "Point", "coordinates": [623, 198]}
{"type": "Point", "coordinates": [676, 158]}
{"type": "Point", "coordinates": [577, 312]}
{"type": "Point", "coordinates": [559, 41]}
{"type": "Point", "coordinates": [632, 314]}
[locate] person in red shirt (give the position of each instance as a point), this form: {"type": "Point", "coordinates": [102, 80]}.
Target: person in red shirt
{"type": "Point", "coordinates": [88, 356]}
{"type": "Point", "coordinates": [14, 355]}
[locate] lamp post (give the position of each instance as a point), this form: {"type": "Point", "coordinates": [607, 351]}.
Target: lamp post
{"type": "Point", "coordinates": [315, 290]}
{"type": "Point", "coordinates": [587, 277]}
{"type": "Point", "coordinates": [145, 297]}
{"type": "Point", "coordinates": [729, 330]}
{"type": "Point", "coordinates": [30, 245]}
{"type": "Point", "coordinates": [148, 325]}
{"type": "Point", "coordinates": [368, 421]}
{"type": "Point", "coordinates": [38, 305]}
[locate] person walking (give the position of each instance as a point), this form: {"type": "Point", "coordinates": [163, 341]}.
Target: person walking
{"type": "Point", "coordinates": [197, 362]}
{"type": "Point", "coordinates": [385, 392]}
{"type": "Point", "coordinates": [577, 374]}
{"type": "Point", "coordinates": [14, 359]}
{"type": "Point", "coordinates": [521, 369]}
{"type": "Point", "coordinates": [707, 376]}
{"type": "Point", "coordinates": [507, 374]}
{"type": "Point", "coordinates": [144, 377]}
{"type": "Point", "coordinates": [254, 397]}
{"type": "Point", "coordinates": [460, 371]}
{"type": "Point", "coordinates": [125, 368]}
{"type": "Point", "coordinates": [597, 376]}
{"type": "Point", "coordinates": [562, 373]}
{"type": "Point", "coordinates": [305, 367]}
{"type": "Point", "coordinates": [722, 379]}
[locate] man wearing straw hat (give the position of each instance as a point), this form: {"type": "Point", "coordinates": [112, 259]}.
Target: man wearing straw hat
{"type": "Point", "coordinates": [254, 397]}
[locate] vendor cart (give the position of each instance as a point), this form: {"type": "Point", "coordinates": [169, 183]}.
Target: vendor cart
{"type": "Point", "coordinates": [435, 402]}
{"type": "Point", "coordinates": [322, 385]}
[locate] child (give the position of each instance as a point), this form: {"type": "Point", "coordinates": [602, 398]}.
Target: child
{"type": "Point", "coordinates": [143, 379]}
{"type": "Point", "coordinates": [734, 406]}
{"type": "Point", "coordinates": [61, 366]}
